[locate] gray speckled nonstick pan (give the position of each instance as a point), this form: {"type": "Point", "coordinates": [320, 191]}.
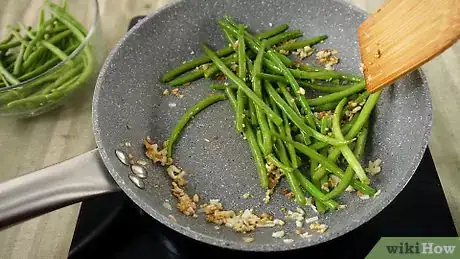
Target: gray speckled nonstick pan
{"type": "Point", "coordinates": [129, 105]}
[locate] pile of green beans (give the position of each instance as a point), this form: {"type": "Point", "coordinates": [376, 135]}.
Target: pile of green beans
{"type": "Point", "coordinates": [281, 125]}
{"type": "Point", "coordinates": [27, 53]}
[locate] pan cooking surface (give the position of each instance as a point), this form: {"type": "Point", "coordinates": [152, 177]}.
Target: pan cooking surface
{"type": "Point", "coordinates": [129, 105]}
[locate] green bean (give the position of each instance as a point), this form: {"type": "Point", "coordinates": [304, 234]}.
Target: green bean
{"type": "Point", "coordinates": [325, 107]}
{"type": "Point", "coordinates": [230, 20]}
{"type": "Point", "coordinates": [192, 64]}
{"type": "Point", "coordinates": [189, 114]}
{"type": "Point", "coordinates": [39, 100]}
{"type": "Point", "coordinates": [37, 53]}
{"type": "Point", "coordinates": [285, 36]}
{"type": "Point", "coordinates": [7, 39]}
{"type": "Point", "coordinates": [9, 77]}
{"type": "Point", "coordinates": [338, 95]}
{"type": "Point", "coordinates": [335, 74]}
{"type": "Point", "coordinates": [300, 95]}
{"type": "Point", "coordinates": [7, 46]}
{"type": "Point", "coordinates": [4, 80]}
{"type": "Point", "coordinates": [362, 97]}
{"type": "Point", "coordinates": [357, 126]}
{"type": "Point", "coordinates": [257, 155]}
{"type": "Point", "coordinates": [332, 167]}
{"type": "Point", "coordinates": [298, 120]}
{"type": "Point", "coordinates": [19, 37]}
{"type": "Point", "coordinates": [280, 151]}
{"type": "Point", "coordinates": [43, 68]}
{"type": "Point", "coordinates": [302, 43]}
{"type": "Point", "coordinates": [313, 190]}
{"type": "Point", "coordinates": [291, 150]}
{"type": "Point", "coordinates": [299, 74]}
{"type": "Point", "coordinates": [317, 87]}
{"type": "Point", "coordinates": [310, 153]}
{"type": "Point", "coordinates": [242, 85]}
{"type": "Point", "coordinates": [253, 144]}
{"type": "Point", "coordinates": [345, 129]}
{"type": "Point", "coordinates": [364, 115]}
{"type": "Point", "coordinates": [252, 113]}
{"type": "Point", "coordinates": [187, 78]}
{"type": "Point", "coordinates": [231, 40]}
{"type": "Point", "coordinates": [18, 63]}
{"type": "Point", "coordinates": [216, 86]}
{"type": "Point", "coordinates": [324, 88]}
{"type": "Point", "coordinates": [291, 179]}
{"type": "Point", "coordinates": [59, 53]}
{"type": "Point", "coordinates": [291, 101]}
{"type": "Point", "coordinates": [345, 149]}
{"type": "Point", "coordinates": [231, 96]}
{"type": "Point", "coordinates": [349, 172]}
{"type": "Point", "coordinates": [63, 77]}
{"type": "Point", "coordinates": [261, 117]}
{"type": "Point", "coordinates": [40, 34]}
{"type": "Point", "coordinates": [241, 54]}
{"type": "Point", "coordinates": [213, 69]}
{"type": "Point", "coordinates": [241, 98]}
{"type": "Point", "coordinates": [63, 14]}
{"type": "Point", "coordinates": [272, 32]}
{"type": "Point", "coordinates": [259, 139]}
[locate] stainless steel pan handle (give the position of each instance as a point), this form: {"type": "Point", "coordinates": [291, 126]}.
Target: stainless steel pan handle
{"type": "Point", "coordinates": [54, 187]}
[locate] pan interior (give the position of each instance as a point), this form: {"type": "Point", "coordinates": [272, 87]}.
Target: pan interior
{"type": "Point", "coordinates": [129, 105]}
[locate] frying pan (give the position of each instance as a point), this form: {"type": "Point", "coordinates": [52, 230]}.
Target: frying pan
{"type": "Point", "coordinates": [128, 106]}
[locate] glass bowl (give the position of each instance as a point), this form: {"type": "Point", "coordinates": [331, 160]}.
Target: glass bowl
{"type": "Point", "coordinates": [48, 55]}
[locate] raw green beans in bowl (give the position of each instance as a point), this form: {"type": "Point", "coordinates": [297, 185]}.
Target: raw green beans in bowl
{"type": "Point", "coordinates": [48, 57]}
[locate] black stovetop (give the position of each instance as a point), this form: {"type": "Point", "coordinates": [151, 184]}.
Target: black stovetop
{"type": "Point", "coordinates": [113, 227]}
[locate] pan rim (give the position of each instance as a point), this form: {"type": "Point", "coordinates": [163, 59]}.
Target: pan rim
{"type": "Point", "coordinates": [199, 236]}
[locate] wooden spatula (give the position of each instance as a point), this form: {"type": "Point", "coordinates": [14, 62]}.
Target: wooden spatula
{"type": "Point", "coordinates": [403, 35]}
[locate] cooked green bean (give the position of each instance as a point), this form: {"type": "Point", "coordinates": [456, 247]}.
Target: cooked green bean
{"type": "Point", "coordinates": [261, 117]}
{"type": "Point", "coordinates": [192, 64]}
{"type": "Point", "coordinates": [303, 43]}
{"type": "Point", "coordinates": [231, 96]}
{"type": "Point", "coordinates": [325, 107]}
{"type": "Point", "coordinates": [190, 113]}
{"type": "Point", "coordinates": [345, 149]}
{"type": "Point", "coordinates": [335, 74]}
{"type": "Point", "coordinates": [242, 85]}
{"type": "Point", "coordinates": [349, 172]}
{"type": "Point", "coordinates": [257, 155]}
{"type": "Point", "coordinates": [212, 69]}
{"type": "Point", "coordinates": [291, 150]}
{"type": "Point", "coordinates": [357, 126]}
{"type": "Point", "coordinates": [317, 87]}
{"type": "Point", "coordinates": [298, 120]}
{"type": "Point", "coordinates": [315, 192]}
{"type": "Point", "coordinates": [272, 32]}
{"type": "Point", "coordinates": [231, 40]}
{"type": "Point", "coordinates": [332, 167]}
{"type": "Point", "coordinates": [311, 119]}
{"type": "Point", "coordinates": [241, 98]}
{"type": "Point", "coordinates": [216, 86]}
{"type": "Point", "coordinates": [338, 95]}
{"type": "Point", "coordinates": [291, 179]}
{"type": "Point", "coordinates": [285, 36]}
{"type": "Point", "coordinates": [187, 78]}
{"type": "Point", "coordinates": [311, 153]}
